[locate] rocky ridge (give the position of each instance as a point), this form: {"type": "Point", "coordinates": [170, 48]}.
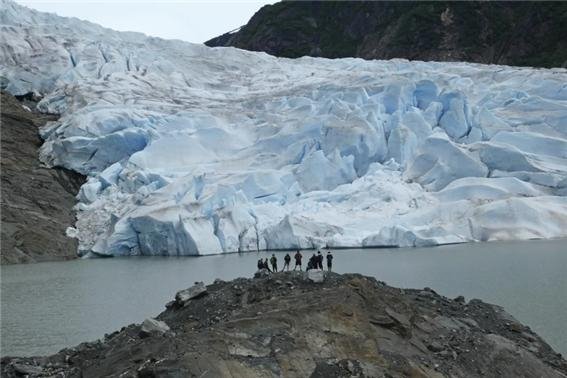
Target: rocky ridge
{"type": "Point", "coordinates": [309, 325]}
{"type": "Point", "coordinates": [37, 201]}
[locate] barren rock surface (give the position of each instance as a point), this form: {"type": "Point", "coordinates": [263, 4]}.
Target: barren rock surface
{"type": "Point", "coordinates": [284, 325]}
{"type": "Point", "coordinates": [37, 202]}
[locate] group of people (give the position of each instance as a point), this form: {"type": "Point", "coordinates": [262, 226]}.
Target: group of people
{"type": "Point", "coordinates": [315, 262]}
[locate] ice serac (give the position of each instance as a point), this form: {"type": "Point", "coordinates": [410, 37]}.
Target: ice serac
{"type": "Point", "coordinates": [196, 150]}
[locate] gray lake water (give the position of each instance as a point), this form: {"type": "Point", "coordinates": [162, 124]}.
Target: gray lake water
{"type": "Point", "coordinates": [49, 306]}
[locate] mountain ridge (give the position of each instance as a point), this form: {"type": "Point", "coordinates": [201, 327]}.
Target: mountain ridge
{"type": "Point", "coordinates": [490, 32]}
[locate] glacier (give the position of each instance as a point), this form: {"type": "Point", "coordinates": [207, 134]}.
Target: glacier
{"type": "Point", "coordinates": [196, 150]}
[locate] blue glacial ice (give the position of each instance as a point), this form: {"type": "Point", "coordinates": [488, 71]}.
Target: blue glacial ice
{"type": "Point", "coordinates": [196, 150]}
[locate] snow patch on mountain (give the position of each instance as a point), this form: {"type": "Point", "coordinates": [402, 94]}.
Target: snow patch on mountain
{"type": "Point", "coordinates": [197, 150]}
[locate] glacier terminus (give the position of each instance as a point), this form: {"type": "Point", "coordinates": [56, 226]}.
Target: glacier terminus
{"type": "Point", "coordinates": [196, 150]}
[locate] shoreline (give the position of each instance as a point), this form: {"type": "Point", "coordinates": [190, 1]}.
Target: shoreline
{"type": "Point", "coordinates": [403, 248]}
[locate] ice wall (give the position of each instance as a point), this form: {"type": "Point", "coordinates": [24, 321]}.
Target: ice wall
{"type": "Point", "coordinates": [197, 150]}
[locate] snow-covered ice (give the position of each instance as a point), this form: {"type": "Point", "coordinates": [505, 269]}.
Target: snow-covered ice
{"type": "Point", "coordinates": [197, 150]}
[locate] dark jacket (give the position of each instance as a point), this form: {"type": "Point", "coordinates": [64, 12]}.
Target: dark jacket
{"type": "Point", "coordinates": [313, 261]}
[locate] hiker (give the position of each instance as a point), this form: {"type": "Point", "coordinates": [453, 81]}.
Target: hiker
{"type": "Point", "coordinates": [287, 259]}
{"type": "Point", "coordinates": [298, 258]}
{"type": "Point", "coordinates": [319, 260]}
{"type": "Point", "coordinates": [260, 264]}
{"type": "Point", "coordinates": [266, 265]}
{"type": "Point", "coordinates": [329, 261]}
{"type": "Point", "coordinates": [274, 262]}
{"type": "Point", "coordinates": [312, 264]}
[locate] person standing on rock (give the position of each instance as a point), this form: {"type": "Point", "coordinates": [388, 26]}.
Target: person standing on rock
{"type": "Point", "coordinates": [319, 264]}
{"type": "Point", "coordinates": [260, 264]}
{"type": "Point", "coordinates": [266, 265]}
{"type": "Point", "coordinates": [313, 262]}
{"type": "Point", "coordinates": [298, 258]}
{"type": "Point", "coordinates": [274, 262]}
{"type": "Point", "coordinates": [287, 259]}
{"type": "Point", "coordinates": [329, 261]}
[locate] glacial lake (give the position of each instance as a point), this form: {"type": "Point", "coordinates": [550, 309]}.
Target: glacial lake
{"type": "Point", "coordinates": [48, 306]}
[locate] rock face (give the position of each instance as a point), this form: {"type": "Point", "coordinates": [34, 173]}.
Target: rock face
{"type": "Point", "coordinates": [284, 325]}
{"type": "Point", "coordinates": [36, 201]}
{"type": "Point", "coordinates": [512, 33]}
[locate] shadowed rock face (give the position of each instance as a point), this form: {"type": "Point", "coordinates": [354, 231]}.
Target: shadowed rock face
{"type": "Point", "coordinates": [285, 325]}
{"type": "Point", "coordinates": [511, 33]}
{"type": "Point", "coordinates": [36, 202]}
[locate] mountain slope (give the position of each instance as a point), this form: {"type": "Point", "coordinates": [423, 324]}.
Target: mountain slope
{"type": "Point", "coordinates": [197, 150]}
{"type": "Point", "coordinates": [37, 202]}
{"type": "Point", "coordinates": [496, 32]}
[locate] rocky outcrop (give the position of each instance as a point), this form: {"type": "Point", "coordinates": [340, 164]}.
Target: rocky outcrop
{"type": "Point", "coordinates": [285, 325]}
{"type": "Point", "coordinates": [511, 33]}
{"type": "Point", "coordinates": [196, 291]}
{"type": "Point", "coordinates": [37, 202]}
{"type": "Point", "coordinates": [152, 326]}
